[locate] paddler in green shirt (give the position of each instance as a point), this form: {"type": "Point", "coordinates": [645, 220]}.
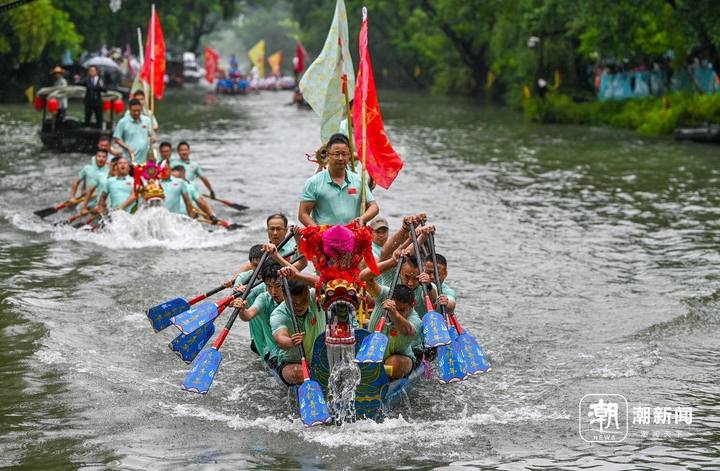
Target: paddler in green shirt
{"type": "Point", "coordinates": [402, 326]}
{"type": "Point", "coordinates": [193, 171]}
{"type": "Point", "coordinates": [277, 229]}
{"type": "Point", "coordinates": [118, 192]}
{"type": "Point", "coordinates": [311, 320]}
{"type": "Point", "coordinates": [258, 313]}
{"type": "Point", "coordinates": [177, 194]}
{"type": "Point", "coordinates": [89, 173]}
{"type": "Point", "coordinates": [448, 297]}
{"type": "Point", "coordinates": [333, 196]}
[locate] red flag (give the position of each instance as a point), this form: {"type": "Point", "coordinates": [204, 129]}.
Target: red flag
{"type": "Point", "coordinates": [153, 69]}
{"type": "Point", "coordinates": [299, 60]}
{"type": "Point", "coordinates": [383, 163]}
{"type": "Point", "coordinates": [211, 63]}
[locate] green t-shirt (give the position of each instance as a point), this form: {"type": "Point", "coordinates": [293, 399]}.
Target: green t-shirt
{"type": "Point", "coordinates": [449, 292]}
{"type": "Point", "coordinates": [136, 134]}
{"type": "Point", "coordinates": [192, 169]}
{"type": "Point", "coordinates": [174, 189]}
{"type": "Point", "coordinates": [89, 173]}
{"type": "Point", "coordinates": [118, 189]}
{"type": "Point", "coordinates": [312, 323]}
{"type": "Point", "coordinates": [397, 343]}
{"type": "Point", "coordinates": [260, 325]}
{"type": "Point", "coordinates": [335, 204]}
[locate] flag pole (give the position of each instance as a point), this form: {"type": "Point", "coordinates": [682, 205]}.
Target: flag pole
{"type": "Point", "coordinates": [348, 115]}
{"type": "Point", "coordinates": [363, 182]}
{"type": "Point", "coordinates": [152, 60]}
{"type": "Point", "coordinates": [142, 60]}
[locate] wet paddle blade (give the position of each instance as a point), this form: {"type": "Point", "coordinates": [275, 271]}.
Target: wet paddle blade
{"type": "Point", "coordinates": [372, 349]}
{"type": "Point", "coordinates": [46, 212]}
{"type": "Point", "coordinates": [188, 346]}
{"type": "Point", "coordinates": [190, 321]}
{"type": "Point", "coordinates": [450, 365]}
{"type": "Point", "coordinates": [453, 332]}
{"type": "Point", "coordinates": [234, 226]}
{"type": "Point", "coordinates": [161, 314]}
{"type": "Point", "coordinates": [201, 375]}
{"type": "Point", "coordinates": [434, 329]}
{"type": "Point", "coordinates": [239, 207]}
{"type": "Point", "coordinates": [472, 354]}
{"type": "Point", "coordinates": [313, 408]}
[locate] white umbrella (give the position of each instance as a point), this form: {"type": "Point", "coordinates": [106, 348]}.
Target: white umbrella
{"type": "Point", "coordinates": [102, 63]}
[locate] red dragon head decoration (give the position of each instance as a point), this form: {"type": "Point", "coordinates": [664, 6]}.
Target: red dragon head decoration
{"type": "Point", "coordinates": [336, 252]}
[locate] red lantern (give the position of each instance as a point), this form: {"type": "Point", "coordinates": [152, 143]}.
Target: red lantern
{"type": "Point", "coordinates": [118, 106]}
{"type": "Point", "coordinates": [39, 103]}
{"type": "Point", "coordinates": [53, 105]}
{"type": "Point", "coordinates": [106, 105]}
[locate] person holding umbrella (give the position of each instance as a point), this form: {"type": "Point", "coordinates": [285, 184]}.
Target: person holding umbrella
{"type": "Point", "coordinates": [94, 88]}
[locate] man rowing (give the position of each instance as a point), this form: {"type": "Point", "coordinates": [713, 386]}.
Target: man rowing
{"type": "Point", "coordinates": [449, 297]}
{"type": "Point", "coordinates": [193, 170]}
{"type": "Point", "coordinates": [134, 133]}
{"type": "Point", "coordinates": [177, 194]}
{"type": "Point", "coordinates": [196, 199]}
{"type": "Point", "coordinates": [89, 173]}
{"type": "Point", "coordinates": [118, 191]}
{"type": "Point", "coordinates": [333, 196]}
{"type": "Point", "coordinates": [277, 229]}
{"type": "Point", "coordinates": [258, 311]}
{"type": "Point", "coordinates": [311, 321]}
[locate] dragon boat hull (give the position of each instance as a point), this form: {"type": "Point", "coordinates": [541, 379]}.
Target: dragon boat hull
{"type": "Point", "coordinates": [375, 394]}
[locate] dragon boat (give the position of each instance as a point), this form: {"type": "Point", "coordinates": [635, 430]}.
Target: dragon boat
{"type": "Point", "coordinates": [353, 390]}
{"type": "Point", "coordinates": [375, 394]}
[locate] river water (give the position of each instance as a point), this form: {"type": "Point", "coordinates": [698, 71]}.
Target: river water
{"type": "Point", "coordinates": [585, 261]}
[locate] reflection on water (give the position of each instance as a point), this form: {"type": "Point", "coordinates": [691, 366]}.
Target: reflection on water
{"type": "Point", "coordinates": [584, 259]}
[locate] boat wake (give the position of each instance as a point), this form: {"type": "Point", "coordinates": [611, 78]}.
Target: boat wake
{"type": "Point", "coordinates": [150, 227]}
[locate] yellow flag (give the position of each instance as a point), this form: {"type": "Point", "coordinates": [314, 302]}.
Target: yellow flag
{"type": "Point", "coordinates": [275, 60]}
{"type": "Point", "coordinates": [257, 57]}
{"type": "Point", "coordinates": [30, 93]}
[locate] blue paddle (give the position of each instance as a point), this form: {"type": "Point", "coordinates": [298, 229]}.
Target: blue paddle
{"type": "Point", "coordinates": [161, 314]}
{"type": "Point", "coordinates": [372, 349]}
{"type": "Point", "coordinates": [190, 321]}
{"type": "Point", "coordinates": [206, 364]}
{"type": "Point", "coordinates": [188, 346]}
{"type": "Point", "coordinates": [464, 344]}
{"type": "Point", "coordinates": [434, 327]}
{"type": "Point", "coordinates": [313, 408]}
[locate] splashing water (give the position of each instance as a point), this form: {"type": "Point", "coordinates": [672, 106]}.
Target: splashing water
{"type": "Point", "coordinates": [149, 227]}
{"type": "Point", "coordinates": [344, 378]}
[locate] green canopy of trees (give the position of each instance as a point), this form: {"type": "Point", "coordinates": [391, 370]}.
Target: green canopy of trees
{"type": "Point", "coordinates": [457, 46]}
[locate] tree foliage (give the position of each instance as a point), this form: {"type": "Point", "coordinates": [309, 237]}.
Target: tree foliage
{"type": "Point", "coordinates": [456, 45]}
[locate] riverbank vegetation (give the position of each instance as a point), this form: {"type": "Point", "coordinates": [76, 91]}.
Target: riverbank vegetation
{"type": "Point", "coordinates": [490, 49]}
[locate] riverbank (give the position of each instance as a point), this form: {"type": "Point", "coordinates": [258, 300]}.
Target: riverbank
{"type": "Point", "coordinates": [648, 116]}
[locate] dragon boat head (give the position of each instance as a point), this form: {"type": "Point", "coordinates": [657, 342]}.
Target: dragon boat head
{"type": "Point", "coordinates": [340, 301]}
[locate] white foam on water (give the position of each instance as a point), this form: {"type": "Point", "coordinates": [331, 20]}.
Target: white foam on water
{"type": "Point", "coordinates": [49, 357]}
{"type": "Point", "coordinates": [150, 227]}
{"type": "Point", "coordinates": [368, 433]}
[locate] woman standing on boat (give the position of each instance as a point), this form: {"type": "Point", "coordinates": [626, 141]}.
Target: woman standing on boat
{"type": "Point", "coordinates": [333, 196]}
